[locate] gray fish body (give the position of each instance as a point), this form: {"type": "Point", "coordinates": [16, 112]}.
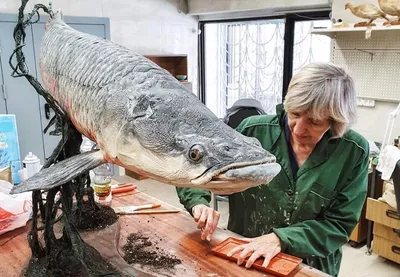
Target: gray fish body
{"type": "Point", "coordinates": [142, 118]}
{"type": "Point", "coordinates": [99, 83]}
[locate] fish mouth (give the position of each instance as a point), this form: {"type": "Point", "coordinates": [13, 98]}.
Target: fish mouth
{"type": "Point", "coordinates": [238, 176]}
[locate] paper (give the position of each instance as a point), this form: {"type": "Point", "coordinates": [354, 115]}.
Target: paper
{"type": "Point", "coordinates": [388, 159]}
{"type": "Point", "coordinates": [15, 210]}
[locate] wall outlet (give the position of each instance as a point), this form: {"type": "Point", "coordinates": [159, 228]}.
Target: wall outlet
{"type": "Point", "coordinates": [361, 102]}
{"type": "Point", "coordinates": [369, 103]}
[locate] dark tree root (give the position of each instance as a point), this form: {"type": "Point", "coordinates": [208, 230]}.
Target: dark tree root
{"type": "Point", "coordinates": [68, 255]}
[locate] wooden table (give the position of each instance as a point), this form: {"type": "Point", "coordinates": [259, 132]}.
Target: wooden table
{"type": "Point", "coordinates": [175, 233]}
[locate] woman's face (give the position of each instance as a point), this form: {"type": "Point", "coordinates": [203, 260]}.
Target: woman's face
{"type": "Point", "coordinates": [306, 130]}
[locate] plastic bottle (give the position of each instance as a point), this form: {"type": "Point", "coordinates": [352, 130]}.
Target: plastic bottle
{"type": "Point", "coordinates": [32, 165]}
{"type": "Point", "coordinates": [102, 184]}
{"type": "Point", "coordinates": [87, 146]}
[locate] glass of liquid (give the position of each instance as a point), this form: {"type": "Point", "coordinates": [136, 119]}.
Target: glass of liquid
{"type": "Point", "coordinates": [102, 184]}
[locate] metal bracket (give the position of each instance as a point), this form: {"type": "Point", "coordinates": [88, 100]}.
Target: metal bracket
{"type": "Point", "coordinates": [370, 54]}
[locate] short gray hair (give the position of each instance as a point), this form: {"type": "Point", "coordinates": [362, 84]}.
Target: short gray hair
{"type": "Point", "coordinates": [324, 90]}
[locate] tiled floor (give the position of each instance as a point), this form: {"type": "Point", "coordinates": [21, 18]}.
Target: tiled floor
{"type": "Point", "coordinates": [355, 262]}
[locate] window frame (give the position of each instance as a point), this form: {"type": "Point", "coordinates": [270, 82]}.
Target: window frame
{"type": "Point", "coordinates": [290, 22]}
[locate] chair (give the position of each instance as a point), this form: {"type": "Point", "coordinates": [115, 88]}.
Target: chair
{"type": "Point", "coordinates": [240, 110]}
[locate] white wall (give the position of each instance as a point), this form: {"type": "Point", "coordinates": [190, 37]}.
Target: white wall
{"type": "Point", "coordinates": [157, 27]}
{"type": "Point", "coordinates": [146, 26]}
{"type": "Point", "coordinates": [210, 6]}
{"type": "Point", "coordinates": [372, 121]}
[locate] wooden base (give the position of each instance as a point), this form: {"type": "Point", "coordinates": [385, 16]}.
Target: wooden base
{"type": "Point", "coordinates": [364, 24]}
{"type": "Point", "coordinates": [389, 23]}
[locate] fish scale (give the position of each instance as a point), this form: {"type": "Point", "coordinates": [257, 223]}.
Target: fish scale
{"type": "Point", "coordinates": [76, 77]}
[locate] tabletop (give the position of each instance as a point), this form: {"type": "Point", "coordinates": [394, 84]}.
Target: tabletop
{"type": "Point", "coordinates": [173, 237]}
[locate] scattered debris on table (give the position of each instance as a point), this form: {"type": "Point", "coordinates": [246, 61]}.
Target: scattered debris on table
{"type": "Point", "coordinates": [139, 249]}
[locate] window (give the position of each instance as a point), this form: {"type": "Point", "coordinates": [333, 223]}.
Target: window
{"type": "Point", "coordinates": [245, 59]}
{"type": "Point", "coordinates": [309, 47]}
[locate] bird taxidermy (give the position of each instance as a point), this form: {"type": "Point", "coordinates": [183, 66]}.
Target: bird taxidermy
{"type": "Point", "coordinates": [391, 7]}
{"type": "Point", "coordinates": [366, 11]}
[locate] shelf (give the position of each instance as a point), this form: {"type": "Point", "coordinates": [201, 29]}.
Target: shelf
{"type": "Point", "coordinates": [174, 64]}
{"type": "Point", "coordinates": [166, 55]}
{"type": "Point", "coordinates": [332, 32]}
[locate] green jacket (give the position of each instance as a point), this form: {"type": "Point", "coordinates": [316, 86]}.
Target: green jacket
{"type": "Point", "coordinates": [312, 213]}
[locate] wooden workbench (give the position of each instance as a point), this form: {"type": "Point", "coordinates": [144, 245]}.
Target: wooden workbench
{"type": "Point", "coordinates": [175, 233]}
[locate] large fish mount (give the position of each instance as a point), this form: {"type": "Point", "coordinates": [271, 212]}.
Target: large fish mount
{"type": "Point", "coordinates": [142, 118]}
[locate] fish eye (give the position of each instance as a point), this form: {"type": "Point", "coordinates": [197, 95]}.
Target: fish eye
{"type": "Point", "coordinates": [196, 153]}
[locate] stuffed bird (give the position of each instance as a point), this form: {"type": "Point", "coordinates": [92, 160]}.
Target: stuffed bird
{"type": "Point", "coordinates": [391, 7]}
{"type": "Point", "coordinates": [367, 11]}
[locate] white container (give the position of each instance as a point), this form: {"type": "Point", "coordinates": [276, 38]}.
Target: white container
{"type": "Point", "coordinates": [32, 165]}
{"type": "Point", "coordinates": [87, 146]}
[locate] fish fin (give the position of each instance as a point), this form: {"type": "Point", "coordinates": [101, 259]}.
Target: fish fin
{"type": "Point", "coordinates": [61, 172]}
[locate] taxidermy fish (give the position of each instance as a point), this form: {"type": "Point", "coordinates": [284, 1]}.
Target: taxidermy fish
{"type": "Point", "coordinates": [141, 118]}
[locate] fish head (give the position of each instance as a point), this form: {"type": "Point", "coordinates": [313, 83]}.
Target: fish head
{"type": "Point", "coordinates": [222, 160]}
{"type": "Point", "coordinates": [172, 137]}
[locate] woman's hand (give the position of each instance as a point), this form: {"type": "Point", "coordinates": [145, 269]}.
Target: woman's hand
{"type": "Point", "coordinates": [267, 246]}
{"type": "Point", "coordinates": [207, 220]}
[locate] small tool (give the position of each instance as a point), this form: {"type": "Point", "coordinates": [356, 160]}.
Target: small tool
{"type": "Point", "coordinates": [133, 209]}
{"type": "Point", "coordinates": [139, 209]}
{"type": "Point", "coordinates": [121, 188]}
{"type": "Point", "coordinates": [156, 212]}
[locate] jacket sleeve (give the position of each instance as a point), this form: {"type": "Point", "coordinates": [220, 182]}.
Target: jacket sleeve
{"type": "Point", "coordinates": [321, 237]}
{"type": "Point", "coordinates": [190, 197]}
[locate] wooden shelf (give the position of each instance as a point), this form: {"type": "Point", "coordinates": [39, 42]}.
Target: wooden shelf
{"type": "Point", "coordinates": [332, 32]}
{"type": "Point", "coordinates": [174, 64]}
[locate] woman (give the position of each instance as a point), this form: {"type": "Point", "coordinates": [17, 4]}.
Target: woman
{"type": "Point", "coordinates": [311, 207]}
